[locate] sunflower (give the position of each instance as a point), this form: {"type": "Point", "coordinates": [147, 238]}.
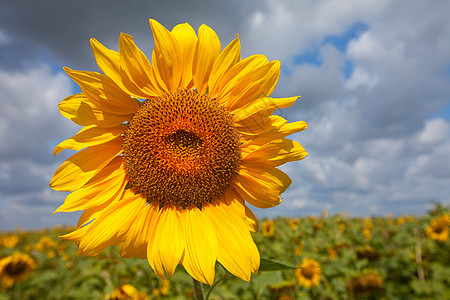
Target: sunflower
{"type": "Point", "coordinates": [45, 243]}
{"type": "Point", "coordinates": [268, 228]}
{"type": "Point", "coordinates": [367, 283]}
{"type": "Point", "coordinates": [126, 292]}
{"type": "Point", "coordinates": [9, 241]}
{"type": "Point", "coordinates": [438, 229]}
{"type": "Point", "coordinates": [173, 150]}
{"type": "Point", "coordinates": [293, 224]}
{"type": "Point", "coordinates": [15, 267]}
{"type": "Point", "coordinates": [309, 272]}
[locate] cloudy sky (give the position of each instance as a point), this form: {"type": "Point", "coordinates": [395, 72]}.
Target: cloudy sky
{"type": "Point", "coordinates": [374, 77]}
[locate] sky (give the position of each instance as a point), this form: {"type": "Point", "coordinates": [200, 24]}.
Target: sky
{"type": "Point", "coordinates": [374, 80]}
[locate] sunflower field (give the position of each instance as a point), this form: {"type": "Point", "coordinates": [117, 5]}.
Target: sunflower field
{"type": "Point", "coordinates": [337, 257]}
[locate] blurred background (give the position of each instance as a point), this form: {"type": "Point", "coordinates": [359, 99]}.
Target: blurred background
{"type": "Point", "coordinates": [374, 77]}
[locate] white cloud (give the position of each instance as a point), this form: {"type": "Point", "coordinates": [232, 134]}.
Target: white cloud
{"type": "Point", "coordinates": [435, 131]}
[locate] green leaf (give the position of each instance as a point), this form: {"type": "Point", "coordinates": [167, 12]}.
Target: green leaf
{"type": "Point", "coordinates": [267, 264]}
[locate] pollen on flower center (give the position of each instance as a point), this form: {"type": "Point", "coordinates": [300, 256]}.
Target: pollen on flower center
{"type": "Point", "coordinates": [181, 148]}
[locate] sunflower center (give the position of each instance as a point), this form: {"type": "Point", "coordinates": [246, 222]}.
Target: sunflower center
{"type": "Point", "coordinates": [14, 269]}
{"type": "Point", "coordinates": [308, 272]}
{"type": "Point", "coordinates": [181, 148]}
{"type": "Point", "coordinates": [439, 229]}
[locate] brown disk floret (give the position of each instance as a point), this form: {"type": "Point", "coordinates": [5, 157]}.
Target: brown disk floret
{"type": "Point", "coordinates": [181, 148]}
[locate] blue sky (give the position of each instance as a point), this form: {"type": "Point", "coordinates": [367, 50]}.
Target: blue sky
{"type": "Point", "coordinates": [374, 79]}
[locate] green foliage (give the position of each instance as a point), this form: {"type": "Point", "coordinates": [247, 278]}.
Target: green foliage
{"type": "Point", "coordinates": [408, 264]}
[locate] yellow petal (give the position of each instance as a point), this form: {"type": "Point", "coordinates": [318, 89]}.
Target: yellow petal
{"type": "Point", "coordinates": [291, 128]}
{"type": "Point", "coordinates": [207, 50]}
{"type": "Point", "coordinates": [137, 72]}
{"type": "Point", "coordinates": [260, 131]}
{"type": "Point", "coordinates": [112, 224]}
{"type": "Point", "coordinates": [187, 39]}
{"type": "Point", "coordinates": [84, 112]}
{"type": "Point", "coordinates": [168, 243]}
{"type": "Point", "coordinates": [108, 61]}
{"type": "Point", "coordinates": [89, 136]}
{"type": "Point", "coordinates": [230, 196]}
{"type": "Point", "coordinates": [137, 237]}
{"type": "Point", "coordinates": [102, 91]}
{"type": "Point", "coordinates": [260, 185]}
{"type": "Point", "coordinates": [252, 221]}
{"type": "Point", "coordinates": [200, 254]}
{"type": "Point", "coordinates": [276, 153]}
{"type": "Point", "coordinates": [230, 56]}
{"type": "Point", "coordinates": [260, 83]}
{"type": "Point", "coordinates": [75, 235]}
{"type": "Point", "coordinates": [237, 73]}
{"type": "Point", "coordinates": [237, 251]}
{"type": "Point", "coordinates": [106, 185]}
{"type": "Point", "coordinates": [82, 166]}
{"type": "Point", "coordinates": [167, 57]}
{"type": "Point", "coordinates": [262, 107]}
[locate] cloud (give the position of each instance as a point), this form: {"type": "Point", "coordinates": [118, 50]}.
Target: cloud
{"type": "Point", "coordinates": [30, 126]}
{"type": "Point", "coordinates": [29, 118]}
{"type": "Point", "coordinates": [373, 76]}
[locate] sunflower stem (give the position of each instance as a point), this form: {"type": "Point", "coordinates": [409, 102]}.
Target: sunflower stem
{"type": "Point", "coordinates": [198, 290]}
{"type": "Point", "coordinates": [215, 284]}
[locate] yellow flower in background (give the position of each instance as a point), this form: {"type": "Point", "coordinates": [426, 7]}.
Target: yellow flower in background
{"type": "Point", "coordinates": [341, 227]}
{"type": "Point", "coordinates": [293, 224]}
{"type": "Point", "coordinates": [16, 267]}
{"type": "Point", "coordinates": [367, 283]}
{"type": "Point", "coordinates": [400, 221]}
{"type": "Point", "coordinates": [309, 272]}
{"type": "Point", "coordinates": [299, 249]}
{"type": "Point", "coordinates": [172, 150]}
{"type": "Point", "coordinates": [268, 228]}
{"type": "Point", "coordinates": [282, 290]}
{"type": "Point", "coordinates": [438, 229]}
{"type": "Point", "coordinates": [9, 241]}
{"type": "Point", "coordinates": [332, 253]}
{"type": "Point", "coordinates": [126, 292]}
{"type": "Point", "coordinates": [163, 288]}
{"type": "Point", "coordinates": [368, 223]}
{"type": "Point", "coordinates": [45, 243]}
{"type": "Point", "coordinates": [367, 232]}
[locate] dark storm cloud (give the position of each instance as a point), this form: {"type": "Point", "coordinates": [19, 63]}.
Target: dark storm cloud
{"type": "Point", "coordinates": [63, 28]}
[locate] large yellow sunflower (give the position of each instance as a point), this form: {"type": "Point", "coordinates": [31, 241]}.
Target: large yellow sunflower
{"type": "Point", "coordinates": [172, 150]}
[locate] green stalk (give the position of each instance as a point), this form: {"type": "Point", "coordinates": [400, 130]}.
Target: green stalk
{"type": "Point", "coordinates": [198, 290]}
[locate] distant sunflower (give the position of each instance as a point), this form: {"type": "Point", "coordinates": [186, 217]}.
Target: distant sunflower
{"type": "Point", "coordinates": [439, 228]}
{"type": "Point", "coordinates": [368, 282]}
{"type": "Point", "coordinates": [45, 243]}
{"type": "Point", "coordinates": [16, 267]}
{"type": "Point", "coordinates": [268, 228]}
{"type": "Point", "coordinates": [309, 272]}
{"type": "Point", "coordinates": [9, 241]}
{"type": "Point", "coordinates": [293, 224]}
{"type": "Point", "coordinates": [127, 292]}
{"type": "Point", "coordinates": [173, 150]}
